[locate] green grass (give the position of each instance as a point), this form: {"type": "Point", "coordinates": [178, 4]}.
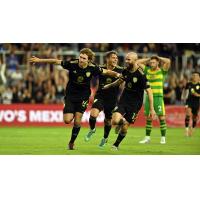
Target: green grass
{"type": "Point", "coordinates": [53, 141]}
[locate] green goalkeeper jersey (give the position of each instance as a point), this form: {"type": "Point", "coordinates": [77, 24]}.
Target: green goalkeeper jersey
{"type": "Point", "coordinates": [156, 80]}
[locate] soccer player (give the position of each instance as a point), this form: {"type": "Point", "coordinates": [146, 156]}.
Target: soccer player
{"type": "Point", "coordinates": [156, 73]}
{"type": "Point", "coordinates": [191, 94]}
{"type": "Point", "coordinates": [105, 99]}
{"type": "Point", "coordinates": [131, 99]}
{"type": "Point", "coordinates": [81, 71]}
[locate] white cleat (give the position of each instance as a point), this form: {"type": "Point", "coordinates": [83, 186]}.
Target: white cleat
{"type": "Point", "coordinates": [146, 140]}
{"type": "Point", "coordinates": [163, 140]}
{"type": "Point", "coordinates": [114, 148]}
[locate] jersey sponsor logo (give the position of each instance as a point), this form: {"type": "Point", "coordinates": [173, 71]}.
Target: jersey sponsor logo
{"type": "Point", "coordinates": [108, 80]}
{"type": "Point", "coordinates": [80, 79]}
{"type": "Point", "coordinates": [74, 72]}
{"type": "Point", "coordinates": [135, 79]}
{"type": "Point", "coordinates": [88, 74]}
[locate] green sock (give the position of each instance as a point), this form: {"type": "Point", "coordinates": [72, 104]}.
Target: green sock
{"type": "Point", "coordinates": [163, 127]}
{"type": "Point", "coordinates": [148, 127]}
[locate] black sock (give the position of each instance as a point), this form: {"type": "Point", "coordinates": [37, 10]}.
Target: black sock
{"type": "Point", "coordinates": [187, 120]}
{"type": "Point", "coordinates": [92, 122]}
{"type": "Point", "coordinates": [75, 132]}
{"type": "Point", "coordinates": [120, 137]}
{"type": "Point", "coordinates": [107, 129]}
{"type": "Point", "coordinates": [194, 122]}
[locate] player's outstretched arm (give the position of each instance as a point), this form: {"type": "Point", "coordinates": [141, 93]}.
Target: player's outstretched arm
{"type": "Point", "coordinates": [49, 61]}
{"type": "Point", "coordinates": [142, 62]}
{"type": "Point", "coordinates": [111, 73]}
{"type": "Point", "coordinates": [150, 96]}
{"type": "Point", "coordinates": [114, 84]}
{"type": "Point", "coordinates": [166, 63]}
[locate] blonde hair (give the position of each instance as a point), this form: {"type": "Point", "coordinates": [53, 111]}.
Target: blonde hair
{"type": "Point", "coordinates": [89, 53]}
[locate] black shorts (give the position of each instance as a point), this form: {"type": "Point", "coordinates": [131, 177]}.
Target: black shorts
{"type": "Point", "coordinates": [107, 106]}
{"type": "Point", "coordinates": [194, 107]}
{"type": "Point", "coordinates": [74, 106]}
{"type": "Point", "coordinates": [129, 112]}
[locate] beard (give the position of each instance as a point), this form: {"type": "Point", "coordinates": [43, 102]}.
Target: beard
{"type": "Point", "coordinates": [129, 66]}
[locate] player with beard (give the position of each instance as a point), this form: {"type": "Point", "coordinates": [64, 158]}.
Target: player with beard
{"type": "Point", "coordinates": [131, 99]}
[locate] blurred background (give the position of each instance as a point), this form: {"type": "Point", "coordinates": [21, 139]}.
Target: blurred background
{"type": "Point", "coordinates": [21, 82]}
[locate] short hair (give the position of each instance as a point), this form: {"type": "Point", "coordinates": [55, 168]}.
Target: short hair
{"type": "Point", "coordinates": [155, 58]}
{"type": "Point", "coordinates": [89, 53]}
{"type": "Point", "coordinates": [196, 72]}
{"type": "Point", "coordinates": [109, 53]}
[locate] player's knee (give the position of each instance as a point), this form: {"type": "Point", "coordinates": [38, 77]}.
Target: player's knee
{"type": "Point", "coordinates": [162, 117]}
{"type": "Point", "coordinates": [67, 121]}
{"type": "Point", "coordinates": [94, 113]}
{"type": "Point", "coordinates": [188, 112]}
{"type": "Point", "coordinates": [115, 121]}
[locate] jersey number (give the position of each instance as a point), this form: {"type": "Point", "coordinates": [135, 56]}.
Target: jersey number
{"type": "Point", "coordinates": [159, 108]}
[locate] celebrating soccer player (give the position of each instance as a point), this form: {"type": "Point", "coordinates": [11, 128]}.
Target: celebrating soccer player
{"type": "Point", "coordinates": [131, 99]}
{"type": "Point", "coordinates": [192, 96]}
{"type": "Point", "coordinates": [156, 73]}
{"type": "Point", "coordinates": [105, 99]}
{"type": "Point", "coordinates": [81, 71]}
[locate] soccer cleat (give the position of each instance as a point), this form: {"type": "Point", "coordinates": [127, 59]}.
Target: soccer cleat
{"type": "Point", "coordinates": [117, 129]}
{"type": "Point", "coordinates": [162, 141]}
{"type": "Point", "coordinates": [146, 140]}
{"type": "Point", "coordinates": [103, 142]}
{"type": "Point", "coordinates": [71, 146]}
{"type": "Point", "coordinates": [114, 148]}
{"type": "Point", "coordinates": [89, 135]}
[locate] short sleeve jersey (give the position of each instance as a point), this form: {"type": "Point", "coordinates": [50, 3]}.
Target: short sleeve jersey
{"type": "Point", "coordinates": [78, 87]}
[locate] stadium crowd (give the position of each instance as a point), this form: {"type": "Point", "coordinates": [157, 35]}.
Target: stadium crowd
{"type": "Point", "coordinates": [25, 83]}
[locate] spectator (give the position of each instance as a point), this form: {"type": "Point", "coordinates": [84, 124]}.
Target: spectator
{"type": "Point", "coordinates": [7, 96]}
{"type": "Point", "coordinates": [26, 97]}
{"type": "Point", "coordinates": [12, 63]}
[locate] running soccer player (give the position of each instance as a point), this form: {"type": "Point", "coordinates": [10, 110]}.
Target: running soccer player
{"type": "Point", "coordinates": [191, 94]}
{"type": "Point", "coordinates": [81, 71]}
{"type": "Point", "coordinates": [131, 99]}
{"type": "Point", "coordinates": [105, 99]}
{"type": "Point", "coordinates": [156, 73]}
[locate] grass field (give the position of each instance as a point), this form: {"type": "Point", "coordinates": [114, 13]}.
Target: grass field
{"type": "Point", "coordinates": [53, 141]}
